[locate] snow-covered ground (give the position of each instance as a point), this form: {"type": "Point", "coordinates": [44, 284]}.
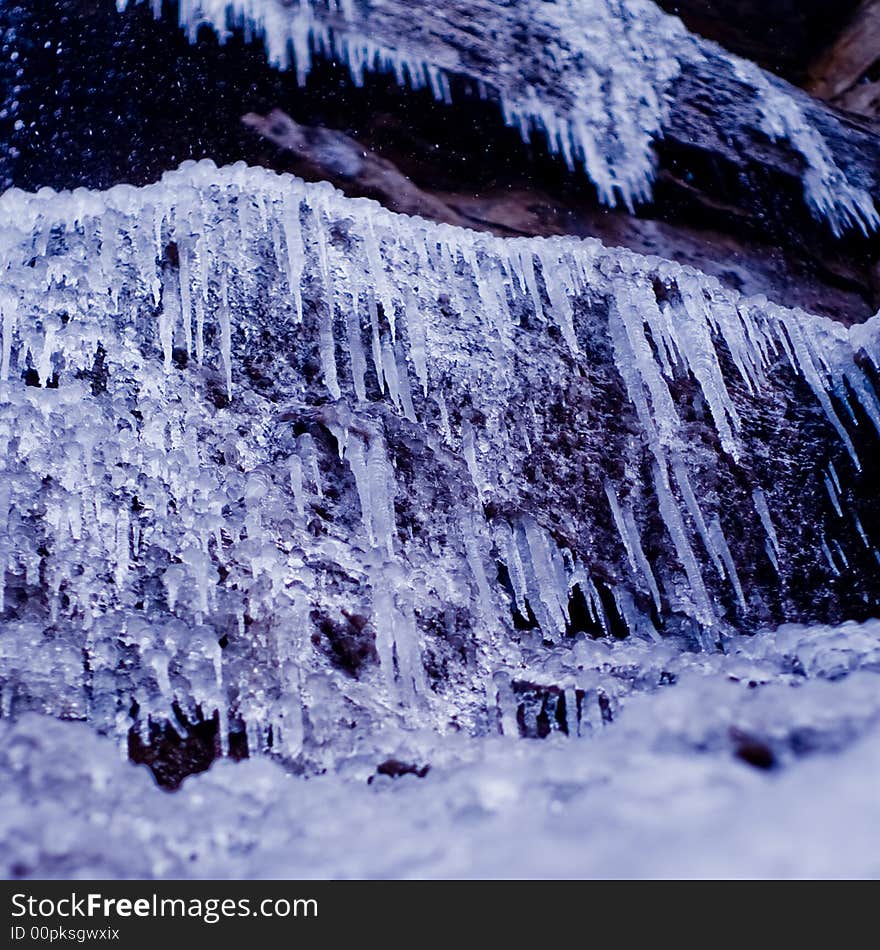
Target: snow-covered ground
{"type": "Point", "coordinates": [659, 791]}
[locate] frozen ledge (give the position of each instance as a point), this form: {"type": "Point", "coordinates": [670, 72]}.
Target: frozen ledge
{"type": "Point", "coordinates": [598, 78]}
{"type": "Point", "coordinates": [235, 406]}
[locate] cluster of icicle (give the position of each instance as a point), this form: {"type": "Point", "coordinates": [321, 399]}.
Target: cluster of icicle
{"type": "Point", "coordinates": [604, 66]}
{"type": "Point", "coordinates": [120, 480]}
{"type": "Point", "coordinates": [826, 189]}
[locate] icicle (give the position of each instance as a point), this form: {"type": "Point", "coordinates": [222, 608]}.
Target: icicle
{"type": "Point", "coordinates": [405, 392]}
{"type": "Point", "coordinates": [832, 471]}
{"type": "Point", "coordinates": [860, 529]}
{"type": "Point", "coordinates": [864, 392]}
{"type": "Point", "coordinates": [695, 344]}
{"type": "Point", "coordinates": [615, 108]}
{"type": "Point", "coordinates": [309, 456]}
{"type": "Point", "coordinates": [417, 339]}
{"type": "Point", "coordinates": [621, 527]}
{"type": "Point", "coordinates": [376, 341]}
{"type": "Point", "coordinates": [356, 350]}
{"type": "Point", "coordinates": [771, 554]}
{"type": "Point", "coordinates": [381, 480]}
{"type": "Point", "coordinates": [339, 428]}
{"type": "Point", "coordinates": [296, 483]}
{"type": "Point", "coordinates": [594, 601]}
{"type": "Point", "coordinates": [185, 299]}
{"type": "Point", "coordinates": [200, 330]}
{"type": "Point", "coordinates": [9, 314]}
{"type": "Point", "coordinates": [326, 340]}
{"type": "Point", "coordinates": [290, 222]}
{"type": "Point", "coordinates": [225, 331]}
{"type": "Point", "coordinates": [629, 534]}
{"type": "Point", "coordinates": [146, 258]}
{"type": "Point", "coordinates": [168, 318]}
{"type": "Point", "coordinates": [468, 449]}
{"type": "Point", "coordinates": [44, 363]}
{"type": "Point", "coordinates": [527, 269]}
{"type": "Point", "coordinates": [802, 361]}
{"type": "Point", "coordinates": [392, 378]}
{"type": "Point", "coordinates": [173, 579]}
{"type": "Point", "coordinates": [620, 609]}
{"type": "Point", "coordinates": [203, 574]}
{"type": "Point", "coordinates": [556, 276]}
{"type": "Point", "coordinates": [720, 543]}
{"type": "Point", "coordinates": [408, 647]}
{"type": "Point", "coordinates": [829, 557]}
{"type": "Point", "coordinates": [383, 611]}
{"type": "Point", "coordinates": [475, 563]}
{"type": "Point", "coordinates": [122, 548]}
{"type": "Point", "coordinates": [635, 362]}
{"type": "Point", "coordinates": [108, 258]}
{"type": "Point", "coordinates": [693, 508]}
{"type": "Point", "coordinates": [827, 192]}
{"type": "Point", "coordinates": [551, 588]}
{"type": "Point", "coordinates": [203, 262]}
{"type": "Point", "coordinates": [358, 462]}
{"type": "Point", "coordinates": [378, 275]}
{"type": "Point", "coordinates": [491, 308]}
{"type": "Point", "coordinates": [832, 494]}
{"type": "Point", "coordinates": [445, 429]}
{"type": "Point", "coordinates": [517, 574]}
{"type": "Point", "coordinates": [672, 519]}
{"type": "Point", "coordinates": [764, 514]}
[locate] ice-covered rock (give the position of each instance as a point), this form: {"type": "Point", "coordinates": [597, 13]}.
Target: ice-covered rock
{"type": "Point", "coordinates": [318, 473]}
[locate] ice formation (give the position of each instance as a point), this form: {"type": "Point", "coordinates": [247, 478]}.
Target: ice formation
{"type": "Point", "coordinates": [332, 486]}
{"type": "Point", "coordinates": [288, 457]}
{"type": "Point", "coordinates": [595, 79]}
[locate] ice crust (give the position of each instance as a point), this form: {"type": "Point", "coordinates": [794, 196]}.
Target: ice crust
{"type": "Point", "coordinates": [357, 487]}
